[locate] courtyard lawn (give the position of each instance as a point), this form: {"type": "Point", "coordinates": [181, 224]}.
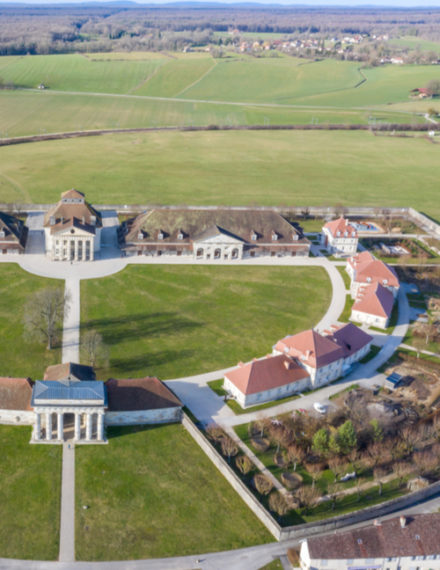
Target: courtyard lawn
{"type": "Point", "coordinates": [152, 492]}
{"type": "Point", "coordinates": [21, 357]}
{"type": "Point", "coordinates": [234, 168]}
{"type": "Point", "coordinates": [29, 496]}
{"type": "Point", "coordinates": [173, 321]}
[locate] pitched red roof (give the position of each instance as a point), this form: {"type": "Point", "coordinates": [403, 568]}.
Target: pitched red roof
{"type": "Point", "coordinates": [351, 338]}
{"type": "Point", "coordinates": [311, 348]}
{"type": "Point", "coordinates": [266, 373]}
{"type": "Point", "coordinates": [135, 394]}
{"type": "Point", "coordinates": [374, 300]}
{"type": "Point", "coordinates": [418, 535]}
{"type": "Point", "coordinates": [15, 393]}
{"type": "Point", "coordinates": [341, 225]}
{"type": "Point", "coordinates": [368, 269]}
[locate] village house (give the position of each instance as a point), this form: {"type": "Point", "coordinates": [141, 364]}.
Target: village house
{"type": "Point", "coordinates": [401, 543]}
{"type": "Point", "coordinates": [339, 237]}
{"type": "Point", "coordinates": [300, 362]}
{"type": "Point", "coordinates": [364, 269]}
{"type": "Point", "coordinates": [70, 403]}
{"type": "Point", "coordinates": [373, 306]}
{"type": "Point", "coordinates": [72, 229]}
{"type": "Point", "coordinates": [212, 234]}
{"type": "Point", "coordinates": [13, 234]}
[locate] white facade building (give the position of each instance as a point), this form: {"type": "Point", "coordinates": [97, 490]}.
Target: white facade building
{"type": "Point", "coordinates": [340, 237]}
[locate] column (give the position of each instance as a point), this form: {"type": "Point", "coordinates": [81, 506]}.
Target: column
{"type": "Point", "coordinates": [48, 426]}
{"type": "Point", "coordinates": [37, 431]}
{"type": "Point", "coordinates": [77, 426]}
{"type": "Point", "coordinates": [100, 434]}
{"type": "Point", "coordinates": [76, 249]}
{"type": "Point", "coordinates": [60, 426]}
{"type": "Point", "coordinates": [88, 427]}
{"type": "Point", "coordinates": [92, 251]}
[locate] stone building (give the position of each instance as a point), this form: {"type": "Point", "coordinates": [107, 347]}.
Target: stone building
{"type": "Point", "coordinates": [212, 234]}
{"type": "Point", "coordinates": [72, 229]}
{"type": "Point", "coordinates": [13, 234]}
{"type": "Point", "coordinates": [340, 237]}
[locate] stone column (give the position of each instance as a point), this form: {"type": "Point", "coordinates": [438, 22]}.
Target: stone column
{"type": "Point", "coordinates": [60, 426]}
{"type": "Point", "coordinates": [92, 251]}
{"type": "Point", "coordinates": [48, 426]}
{"type": "Point", "coordinates": [100, 434]}
{"type": "Point", "coordinates": [88, 427]}
{"type": "Point", "coordinates": [37, 426]}
{"type": "Point", "coordinates": [77, 426]}
{"type": "Point", "coordinates": [76, 249]}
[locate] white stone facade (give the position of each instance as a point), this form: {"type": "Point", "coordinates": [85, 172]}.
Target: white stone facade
{"type": "Point", "coordinates": [160, 416]}
{"type": "Point", "coordinates": [344, 244]}
{"type": "Point", "coordinates": [17, 417]}
{"type": "Point", "coordinates": [73, 244]}
{"type": "Point", "coordinates": [218, 247]}
{"type": "Point", "coordinates": [49, 425]}
{"type": "Point", "coordinates": [370, 320]}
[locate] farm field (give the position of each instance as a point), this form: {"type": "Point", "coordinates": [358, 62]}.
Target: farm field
{"type": "Point", "coordinates": [413, 42]}
{"type": "Point", "coordinates": [15, 287]}
{"type": "Point", "coordinates": [233, 168]}
{"type": "Point", "coordinates": [144, 89]}
{"type": "Point", "coordinates": [155, 493]}
{"type": "Point", "coordinates": [239, 312]}
{"type": "Point", "coordinates": [29, 496]}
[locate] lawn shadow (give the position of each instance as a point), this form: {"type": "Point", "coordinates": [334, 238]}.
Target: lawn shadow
{"type": "Point", "coordinates": [149, 360]}
{"type": "Point", "coordinates": [114, 432]}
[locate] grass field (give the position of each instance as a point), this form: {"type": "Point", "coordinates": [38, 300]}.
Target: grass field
{"type": "Point", "coordinates": [20, 357]}
{"type": "Point", "coordinates": [138, 89]}
{"type": "Point", "coordinates": [412, 42]}
{"type": "Point", "coordinates": [29, 496]}
{"type": "Point", "coordinates": [152, 492]}
{"type": "Point", "coordinates": [178, 321]}
{"type": "Point", "coordinates": [235, 168]}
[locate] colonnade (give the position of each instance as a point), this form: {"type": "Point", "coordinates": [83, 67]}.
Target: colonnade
{"type": "Point", "coordinates": [49, 425]}
{"type": "Point", "coordinates": [73, 249]}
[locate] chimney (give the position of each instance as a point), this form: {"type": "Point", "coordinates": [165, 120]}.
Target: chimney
{"type": "Point", "coordinates": [377, 522]}
{"type": "Point", "coordinates": [307, 354]}
{"type": "Point", "coordinates": [403, 522]}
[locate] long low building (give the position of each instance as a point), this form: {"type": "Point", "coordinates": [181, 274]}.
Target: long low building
{"type": "Point", "coordinates": [13, 234]}
{"type": "Point", "coordinates": [212, 234]}
{"type": "Point", "coordinates": [69, 403]}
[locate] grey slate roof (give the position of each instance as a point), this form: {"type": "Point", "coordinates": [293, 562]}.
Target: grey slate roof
{"type": "Point", "coordinates": [52, 392]}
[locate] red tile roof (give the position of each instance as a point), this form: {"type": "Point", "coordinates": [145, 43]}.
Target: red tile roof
{"type": "Point", "coordinates": [374, 300]}
{"type": "Point", "coordinates": [266, 373]}
{"type": "Point", "coordinates": [368, 269]}
{"type": "Point", "coordinates": [311, 348]}
{"type": "Point", "coordinates": [135, 394]}
{"type": "Point", "coordinates": [351, 338]}
{"type": "Point", "coordinates": [341, 225]}
{"type": "Point", "coordinates": [15, 393]}
{"type": "Point", "coordinates": [417, 535]}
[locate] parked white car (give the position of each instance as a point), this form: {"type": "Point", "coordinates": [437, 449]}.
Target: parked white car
{"type": "Point", "coordinates": [320, 407]}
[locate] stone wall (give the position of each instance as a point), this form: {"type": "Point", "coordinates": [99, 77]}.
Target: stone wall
{"type": "Point", "coordinates": [17, 417]}
{"type": "Point", "coordinates": [161, 416]}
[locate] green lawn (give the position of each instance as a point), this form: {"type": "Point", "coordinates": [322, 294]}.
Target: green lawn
{"type": "Point", "coordinates": [20, 357]}
{"type": "Point", "coordinates": [29, 496]}
{"type": "Point", "coordinates": [235, 168]}
{"type": "Point", "coordinates": [182, 320]}
{"type": "Point", "coordinates": [152, 492]}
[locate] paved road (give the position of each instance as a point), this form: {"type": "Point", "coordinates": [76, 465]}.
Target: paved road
{"type": "Point", "coordinates": [71, 325]}
{"type": "Point", "coordinates": [67, 520]}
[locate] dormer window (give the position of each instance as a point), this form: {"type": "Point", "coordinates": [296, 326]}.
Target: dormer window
{"type": "Point", "coordinates": [160, 235]}
{"type": "Point", "coordinates": [368, 279]}
{"type": "Point", "coordinates": [338, 233]}
{"type": "Point", "coordinates": [353, 234]}
{"type": "Point", "coordinates": [274, 236]}
{"type": "Point", "coordinates": [179, 235]}
{"type": "Point", "coordinates": [93, 220]}
{"type": "Point", "coordinates": [295, 237]}
{"type": "Point", "coordinates": [52, 220]}
{"type": "Point", "coordinates": [254, 236]}
{"type": "Point", "coordinates": [345, 233]}
{"type": "Point", "coordinates": [141, 235]}
{"type": "Point", "coordinates": [2, 233]}
{"type": "Point", "coordinates": [385, 281]}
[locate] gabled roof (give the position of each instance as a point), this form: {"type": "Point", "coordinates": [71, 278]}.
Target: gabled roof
{"type": "Point", "coordinates": [193, 222]}
{"type": "Point", "coordinates": [311, 348]}
{"type": "Point", "coordinates": [14, 230]}
{"type": "Point", "coordinates": [69, 371]}
{"type": "Point", "coordinates": [15, 393]}
{"type": "Point", "coordinates": [214, 231]}
{"type": "Point", "coordinates": [136, 394]}
{"type": "Point", "coordinates": [51, 392]}
{"type": "Point", "coordinates": [266, 373]}
{"type": "Point", "coordinates": [416, 535]}
{"type": "Point", "coordinates": [341, 225]}
{"type": "Point", "coordinates": [72, 223]}
{"type": "Point", "coordinates": [351, 338]}
{"type": "Point", "coordinates": [368, 269]}
{"type": "Point", "coordinates": [72, 194]}
{"type": "Point", "coordinates": [374, 300]}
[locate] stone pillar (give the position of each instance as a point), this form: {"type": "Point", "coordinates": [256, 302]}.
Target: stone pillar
{"type": "Point", "coordinates": [37, 426]}
{"type": "Point", "coordinates": [88, 427]}
{"type": "Point", "coordinates": [76, 249]}
{"type": "Point", "coordinates": [92, 251]}
{"type": "Point", "coordinates": [60, 426]}
{"type": "Point", "coordinates": [48, 426]}
{"type": "Point", "coordinates": [77, 426]}
{"type": "Point", "coordinates": [100, 433]}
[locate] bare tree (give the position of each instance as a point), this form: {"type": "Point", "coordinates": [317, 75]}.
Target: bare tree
{"type": "Point", "coordinates": [307, 496]}
{"type": "Point", "coordinates": [332, 492]}
{"type": "Point", "coordinates": [314, 469]}
{"type": "Point", "coordinates": [296, 454]}
{"type": "Point", "coordinates": [215, 432]}
{"type": "Point", "coordinates": [229, 447]}
{"type": "Point", "coordinates": [93, 348]}
{"type": "Point", "coordinates": [337, 465]}
{"type": "Point", "coordinates": [400, 469]}
{"type": "Point", "coordinates": [263, 485]}
{"type": "Point", "coordinates": [278, 504]}
{"type": "Point", "coordinates": [244, 464]}
{"type": "Point", "coordinates": [43, 315]}
{"type": "Point", "coordinates": [379, 473]}
{"type": "Point", "coordinates": [425, 461]}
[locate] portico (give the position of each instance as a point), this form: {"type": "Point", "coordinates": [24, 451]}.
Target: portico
{"type": "Point", "coordinates": [69, 409]}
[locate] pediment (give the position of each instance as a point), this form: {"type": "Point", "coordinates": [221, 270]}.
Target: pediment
{"type": "Point", "coordinates": [220, 238]}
